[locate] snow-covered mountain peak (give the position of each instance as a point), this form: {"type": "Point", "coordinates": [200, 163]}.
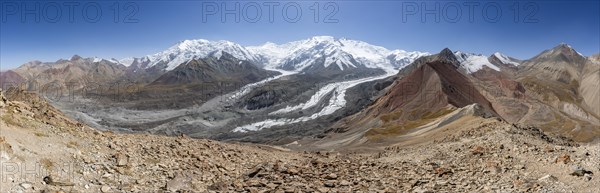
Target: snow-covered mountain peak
{"type": "Point", "coordinates": [472, 62]}
{"type": "Point", "coordinates": [402, 58]}
{"type": "Point", "coordinates": [505, 59]}
{"type": "Point", "coordinates": [191, 49]}
{"type": "Point", "coordinates": [295, 55]}
{"type": "Point", "coordinates": [127, 61]}
{"type": "Point", "coordinates": [190, 44]}
{"type": "Point", "coordinates": [342, 51]}
{"type": "Point", "coordinates": [323, 39]}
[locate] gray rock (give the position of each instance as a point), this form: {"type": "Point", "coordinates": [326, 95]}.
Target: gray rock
{"type": "Point", "coordinates": [329, 183]}
{"type": "Point", "coordinates": [579, 171]}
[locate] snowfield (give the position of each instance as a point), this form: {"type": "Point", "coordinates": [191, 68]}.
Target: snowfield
{"type": "Point", "coordinates": [474, 62]}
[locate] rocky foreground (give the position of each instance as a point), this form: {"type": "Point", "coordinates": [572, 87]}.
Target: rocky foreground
{"type": "Point", "coordinates": [42, 151]}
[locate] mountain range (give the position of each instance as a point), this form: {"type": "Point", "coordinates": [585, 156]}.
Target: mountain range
{"type": "Point", "coordinates": [319, 90]}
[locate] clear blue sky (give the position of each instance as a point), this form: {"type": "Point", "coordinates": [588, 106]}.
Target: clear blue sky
{"type": "Point", "coordinates": [160, 24]}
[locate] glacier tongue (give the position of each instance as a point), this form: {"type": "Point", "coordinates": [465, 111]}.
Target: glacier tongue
{"type": "Point", "coordinates": [247, 88]}
{"type": "Point", "coordinates": [336, 102]}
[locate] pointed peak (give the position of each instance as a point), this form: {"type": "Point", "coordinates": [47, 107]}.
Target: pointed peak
{"type": "Point", "coordinates": [505, 59]}
{"type": "Point", "coordinates": [563, 46]}
{"type": "Point", "coordinates": [75, 57]}
{"type": "Point", "coordinates": [447, 51]}
{"type": "Point", "coordinates": [565, 49]}
{"type": "Point", "coordinates": [446, 55]}
{"type": "Point", "coordinates": [499, 55]}
{"type": "Point", "coordinates": [34, 62]}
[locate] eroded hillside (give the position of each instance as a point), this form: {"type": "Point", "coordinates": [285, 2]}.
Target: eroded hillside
{"type": "Point", "coordinates": [488, 156]}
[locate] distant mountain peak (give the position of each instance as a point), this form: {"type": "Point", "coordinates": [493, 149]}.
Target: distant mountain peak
{"type": "Point", "coordinates": [563, 46]}
{"type": "Point", "coordinates": [345, 53]}
{"type": "Point", "coordinates": [446, 52]}
{"type": "Point", "coordinates": [446, 55]}
{"type": "Point", "coordinates": [505, 59]}
{"type": "Point", "coordinates": [75, 57]}
{"type": "Point", "coordinates": [473, 62]}
{"type": "Point", "coordinates": [563, 52]}
{"type": "Point", "coordinates": [187, 50]}
{"type": "Point", "coordinates": [342, 52]}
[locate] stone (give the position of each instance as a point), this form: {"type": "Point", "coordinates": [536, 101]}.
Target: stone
{"type": "Point", "coordinates": [563, 159]}
{"type": "Point", "coordinates": [548, 178]}
{"type": "Point", "coordinates": [331, 176]}
{"type": "Point", "coordinates": [323, 189]}
{"type": "Point", "coordinates": [26, 185]}
{"type": "Point", "coordinates": [271, 186]}
{"type": "Point", "coordinates": [292, 171]}
{"type": "Point", "coordinates": [177, 183]}
{"type": "Point", "coordinates": [477, 150]}
{"type": "Point", "coordinates": [329, 183]}
{"type": "Point", "coordinates": [51, 181]}
{"type": "Point", "coordinates": [105, 189]}
{"type": "Point", "coordinates": [519, 167]}
{"type": "Point", "coordinates": [255, 171]}
{"type": "Point", "coordinates": [121, 159]}
{"type": "Point", "coordinates": [579, 171]}
{"type": "Point", "coordinates": [588, 176]}
{"type": "Point", "coordinates": [345, 183]}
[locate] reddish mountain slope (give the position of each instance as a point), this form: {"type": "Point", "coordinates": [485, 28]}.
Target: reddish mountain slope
{"type": "Point", "coordinates": [429, 89]}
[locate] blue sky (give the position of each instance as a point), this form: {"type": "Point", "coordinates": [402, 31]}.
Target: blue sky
{"type": "Point", "coordinates": [157, 25]}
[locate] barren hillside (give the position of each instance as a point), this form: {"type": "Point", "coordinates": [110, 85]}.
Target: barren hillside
{"type": "Point", "coordinates": [474, 154]}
